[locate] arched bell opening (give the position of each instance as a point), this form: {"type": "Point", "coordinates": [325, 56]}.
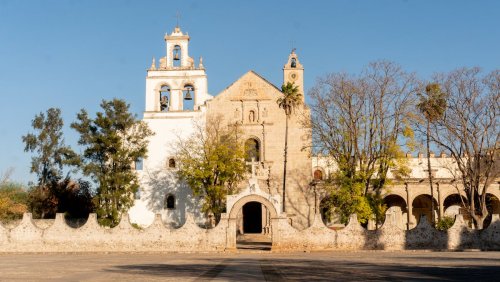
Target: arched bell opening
{"type": "Point", "coordinates": [164, 98]}
{"type": "Point", "coordinates": [177, 56]}
{"type": "Point", "coordinates": [188, 97]}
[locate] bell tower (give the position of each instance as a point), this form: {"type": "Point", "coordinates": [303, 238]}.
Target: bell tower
{"type": "Point", "coordinates": [176, 84]}
{"type": "Point", "coordinates": [293, 72]}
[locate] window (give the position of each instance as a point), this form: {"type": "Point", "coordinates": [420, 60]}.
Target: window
{"type": "Point", "coordinates": [137, 194]}
{"type": "Point", "coordinates": [169, 202]}
{"type": "Point", "coordinates": [171, 163]}
{"type": "Point", "coordinates": [293, 63]}
{"type": "Point", "coordinates": [138, 164]}
{"type": "Point", "coordinates": [318, 175]}
{"type": "Point", "coordinates": [252, 150]}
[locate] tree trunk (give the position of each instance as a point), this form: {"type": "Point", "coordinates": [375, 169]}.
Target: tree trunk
{"type": "Point", "coordinates": [479, 219]}
{"type": "Point", "coordinates": [430, 172]}
{"type": "Point", "coordinates": [284, 164]}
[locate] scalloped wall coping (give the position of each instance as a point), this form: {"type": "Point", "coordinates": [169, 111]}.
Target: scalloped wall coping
{"type": "Point", "coordinates": [91, 237]}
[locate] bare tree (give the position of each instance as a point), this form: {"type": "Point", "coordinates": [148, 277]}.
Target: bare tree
{"type": "Point", "coordinates": [469, 131]}
{"type": "Point", "coordinates": [362, 122]}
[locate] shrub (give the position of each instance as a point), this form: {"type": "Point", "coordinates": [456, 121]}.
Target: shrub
{"type": "Point", "coordinates": [445, 223]}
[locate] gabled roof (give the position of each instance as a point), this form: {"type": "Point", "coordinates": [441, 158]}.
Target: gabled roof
{"type": "Point", "coordinates": [244, 76]}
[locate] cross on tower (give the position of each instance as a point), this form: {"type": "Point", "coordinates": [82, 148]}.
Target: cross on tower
{"type": "Point", "coordinates": [254, 165]}
{"type": "Point", "coordinates": [178, 16]}
{"type": "Point", "coordinates": [292, 45]}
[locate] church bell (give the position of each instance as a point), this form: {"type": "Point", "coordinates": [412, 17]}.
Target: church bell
{"type": "Point", "coordinates": [176, 54]}
{"type": "Point", "coordinates": [188, 96]}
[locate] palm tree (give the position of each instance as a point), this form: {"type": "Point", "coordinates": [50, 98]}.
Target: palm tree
{"type": "Point", "coordinates": [432, 106]}
{"type": "Point", "coordinates": [289, 101]}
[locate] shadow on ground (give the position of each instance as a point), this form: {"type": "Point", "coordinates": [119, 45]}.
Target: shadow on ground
{"type": "Point", "coordinates": [315, 270]}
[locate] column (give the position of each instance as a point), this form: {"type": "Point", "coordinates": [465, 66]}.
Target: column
{"type": "Point", "coordinates": [409, 206]}
{"type": "Point", "coordinates": [264, 219]}
{"type": "Point", "coordinates": [231, 234]}
{"type": "Point", "coordinates": [440, 203]}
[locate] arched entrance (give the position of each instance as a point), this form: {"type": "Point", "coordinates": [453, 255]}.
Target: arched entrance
{"type": "Point", "coordinates": [252, 218]}
{"type": "Point", "coordinates": [252, 223]}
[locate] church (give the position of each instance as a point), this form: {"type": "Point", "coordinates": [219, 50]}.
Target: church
{"type": "Point", "coordinates": [177, 98]}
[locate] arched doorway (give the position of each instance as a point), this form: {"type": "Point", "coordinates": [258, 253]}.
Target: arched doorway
{"type": "Point", "coordinates": [252, 218]}
{"type": "Point", "coordinates": [251, 221]}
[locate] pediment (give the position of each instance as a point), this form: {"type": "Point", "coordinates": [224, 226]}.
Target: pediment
{"type": "Point", "coordinates": [251, 86]}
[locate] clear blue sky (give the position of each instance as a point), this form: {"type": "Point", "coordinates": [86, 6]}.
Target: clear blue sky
{"type": "Point", "coordinates": [72, 54]}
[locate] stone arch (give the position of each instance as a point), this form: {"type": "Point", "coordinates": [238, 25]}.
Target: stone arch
{"type": "Point", "coordinates": [452, 205]}
{"type": "Point", "coordinates": [421, 205]}
{"type": "Point", "coordinates": [395, 200]}
{"type": "Point", "coordinates": [398, 209]}
{"type": "Point", "coordinates": [252, 198]}
{"type": "Point", "coordinates": [494, 203]}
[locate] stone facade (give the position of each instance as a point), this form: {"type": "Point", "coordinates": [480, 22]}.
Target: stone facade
{"type": "Point", "coordinates": [250, 104]}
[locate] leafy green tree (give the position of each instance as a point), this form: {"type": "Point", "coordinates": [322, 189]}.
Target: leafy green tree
{"type": "Point", "coordinates": [113, 141]}
{"type": "Point", "coordinates": [51, 155]}
{"type": "Point", "coordinates": [290, 100]}
{"type": "Point", "coordinates": [432, 105]}
{"type": "Point", "coordinates": [346, 197]}
{"type": "Point", "coordinates": [211, 162]}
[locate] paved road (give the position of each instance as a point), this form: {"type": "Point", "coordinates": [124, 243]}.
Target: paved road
{"type": "Point", "coordinates": [333, 266]}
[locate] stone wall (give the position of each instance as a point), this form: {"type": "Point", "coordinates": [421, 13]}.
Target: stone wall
{"type": "Point", "coordinates": [91, 237]}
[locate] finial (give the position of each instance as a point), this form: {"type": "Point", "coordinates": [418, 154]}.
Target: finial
{"type": "Point", "coordinates": [293, 50]}
{"type": "Point", "coordinates": [153, 64]}
{"type": "Point", "coordinates": [201, 63]}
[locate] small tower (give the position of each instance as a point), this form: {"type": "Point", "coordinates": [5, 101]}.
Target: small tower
{"type": "Point", "coordinates": [176, 84]}
{"type": "Point", "coordinates": [177, 49]}
{"type": "Point", "coordinates": [293, 72]}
